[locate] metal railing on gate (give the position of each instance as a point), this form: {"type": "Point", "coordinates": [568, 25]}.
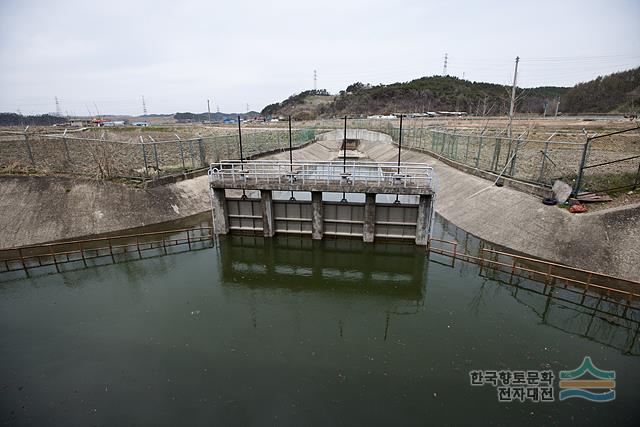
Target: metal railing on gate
{"type": "Point", "coordinates": [381, 174]}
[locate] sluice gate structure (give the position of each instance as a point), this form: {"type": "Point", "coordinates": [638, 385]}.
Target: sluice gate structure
{"type": "Point", "coordinates": [327, 198]}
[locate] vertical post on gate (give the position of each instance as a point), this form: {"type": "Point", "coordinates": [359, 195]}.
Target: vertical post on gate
{"type": "Point", "coordinates": [400, 144]}
{"type": "Point", "coordinates": [344, 147]}
{"type": "Point", "coordinates": [344, 157]}
{"type": "Point", "coordinates": [244, 193]}
{"type": "Point", "coordinates": [291, 156]}
{"type": "Point", "coordinates": [290, 148]}
{"type": "Point", "coordinates": [583, 160]}
{"type": "Point", "coordinates": [240, 142]}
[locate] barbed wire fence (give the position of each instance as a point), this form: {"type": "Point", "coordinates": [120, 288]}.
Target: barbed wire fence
{"type": "Point", "coordinates": [591, 163]}
{"type": "Point", "coordinates": [106, 157]}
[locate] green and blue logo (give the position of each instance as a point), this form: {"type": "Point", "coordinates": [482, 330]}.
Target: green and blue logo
{"type": "Point", "coordinates": [604, 382]}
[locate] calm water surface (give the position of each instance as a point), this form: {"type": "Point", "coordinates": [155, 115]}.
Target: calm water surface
{"type": "Point", "coordinates": [293, 332]}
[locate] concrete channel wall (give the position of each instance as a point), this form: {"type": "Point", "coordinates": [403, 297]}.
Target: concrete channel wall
{"type": "Point", "coordinates": [36, 209]}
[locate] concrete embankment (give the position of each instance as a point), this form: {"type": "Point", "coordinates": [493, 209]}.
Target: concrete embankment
{"type": "Point", "coordinates": [41, 209]}
{"type": "Point", "coordinates": [38, 209]}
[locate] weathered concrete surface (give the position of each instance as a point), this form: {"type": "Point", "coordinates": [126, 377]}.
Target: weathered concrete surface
{"type": "Point", "coordinates": [606, 241]}
{"type": "Point", "coordinates": [37, 209]}
{"type": "Point", "coordinates": [361, 134]}
{"type": "Point", "coordinates": [40, 209]}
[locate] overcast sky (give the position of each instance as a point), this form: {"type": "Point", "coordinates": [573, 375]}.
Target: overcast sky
{"type": "Point", "coordinates": [179, 53]}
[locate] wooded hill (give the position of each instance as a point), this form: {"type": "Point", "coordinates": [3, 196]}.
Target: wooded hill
{"type": "Point", "coordinates": [617, 93]}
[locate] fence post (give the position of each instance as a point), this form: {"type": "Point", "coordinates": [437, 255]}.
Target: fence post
{"type": "Point", "coordinates": [544, 159]}
{"type": "Point", "coordinates": [581, 165]}
{"type": "Point", "coordinates": [181, 151]}
{"type": "Point", "coordinates": [144, 157]}
{"type": "Point", "coordinates": [155, 155]}
{"type": "Point", "coordinates": [66, 147]}
{"type": "Point", "coordinates": [466, 151]}
{"type": "Point", "coordinates": [193, 161]}
{"type": "Point", "coordinates": [203, 160]}
{"type": "Point", "coordinates": [479, 149]}
{"type": "Point", "coordinates": [29, 151]}
{"type": "Point", "coordinates": [515, 156]}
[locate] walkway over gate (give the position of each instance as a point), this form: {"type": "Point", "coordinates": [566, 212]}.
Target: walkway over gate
{"type": "Point", "coordinates": [321, 215]}
{"type": "Point", "coordinates": [352, 176]}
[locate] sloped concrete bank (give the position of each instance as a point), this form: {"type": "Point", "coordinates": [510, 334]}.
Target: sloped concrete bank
{"type": "Point", "coordinates": [607, 241]}
{"type": "Point", "coordinates": [43, 209]}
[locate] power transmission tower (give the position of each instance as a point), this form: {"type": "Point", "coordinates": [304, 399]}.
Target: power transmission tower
{"type": "Point", "coordinates": [315, 80]}
{"type": "Point", "coordinates": [247, 107]}
{"type": "Point", "coordinates": [58, 111]}
{"type": "Point", "coordinates": [144, 106]}
{"type": "Point", "coordinates": [217, 108]}
{"type": "Point", "coordinates": [209, 111]}
{"type": "Point", "coordinates": [444, 68]}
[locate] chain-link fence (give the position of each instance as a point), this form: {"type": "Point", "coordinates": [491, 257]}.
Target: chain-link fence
{"type": "Point", "coordinates": [607, 161]}
{"type": "Point", "coordinates": [611, 163]}
{"type": "Point", "coordinates": [106, 157]}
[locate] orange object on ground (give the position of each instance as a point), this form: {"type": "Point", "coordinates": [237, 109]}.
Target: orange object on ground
{"type": "Point", "coordinates": [578, 209]}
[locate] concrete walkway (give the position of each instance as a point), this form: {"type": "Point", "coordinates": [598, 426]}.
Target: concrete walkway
{"type": "Point", "coordinates": [42, 209]}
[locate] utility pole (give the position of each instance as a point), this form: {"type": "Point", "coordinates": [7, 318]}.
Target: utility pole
{"type": "Point", "coordinates": [513, 102]}
{"type": "Point", "coordinates": [315, 80]}
{"type": "Point", "coordinates": [209, 111]}
{"type": "Point", "coordinates": [444, 68]}
{"type": "Point", "coordinates": [144, 106]}
{"type": "Point", "coordinates": [557, 107]}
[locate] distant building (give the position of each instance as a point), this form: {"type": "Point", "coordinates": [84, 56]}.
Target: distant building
{"type": "Point", "coordinates": [113, 123]}
{"type": "Point", "coordinates": [142, 124]}
{"type": "Point", "coordinates": [229, 121]}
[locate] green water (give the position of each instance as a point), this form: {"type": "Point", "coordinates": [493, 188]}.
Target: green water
{"type": "Point", "coordinates": [294, 332]}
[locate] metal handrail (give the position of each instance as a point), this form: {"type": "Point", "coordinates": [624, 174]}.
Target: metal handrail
{"type": "Point", "coordinates": [409, 175]}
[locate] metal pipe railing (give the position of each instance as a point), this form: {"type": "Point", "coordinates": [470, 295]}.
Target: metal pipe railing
{"type": "Point", "coordinates": [409, 175]}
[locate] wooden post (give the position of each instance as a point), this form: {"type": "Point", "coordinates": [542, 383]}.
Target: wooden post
{"type": "Point", "coordinates": [84, 260]}
{"type": "Point", "coordinates": [24, 265]}
{"type": "Point", "coordinates": [138, 246]}
{"type": "Point", "coordinates": [111, 251]}
{"type": "Point", "coordinates": [55, 261]}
